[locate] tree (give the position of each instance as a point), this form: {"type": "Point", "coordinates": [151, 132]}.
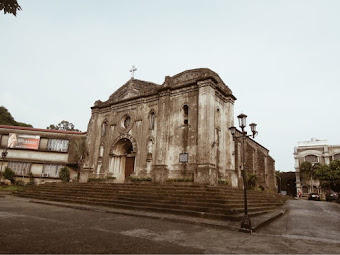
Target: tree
{"type": "Point", "coordinates": [308, 169]}
{"type": "Point", "coordinates": [7, 119]}
{"type": "Point", "coordinates": [80, 149]}
{"type": "Point", "coordinates": [329, 175]}
{"type": "Point", "coordinates": [63, 125]}
{"type": "Point", "coordinates": [9, 175]}
{"type": "Point", "coordinates": [10, 6]}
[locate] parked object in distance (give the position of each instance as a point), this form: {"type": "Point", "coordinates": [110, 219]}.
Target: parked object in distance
{"type": "Point", "coordinates": [314, 196]}
{"type": "Point", "coordinates": [331, 195]}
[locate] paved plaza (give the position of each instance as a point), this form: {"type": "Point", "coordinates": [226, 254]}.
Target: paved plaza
{"type": "Point", "coordinates": [37, 228]}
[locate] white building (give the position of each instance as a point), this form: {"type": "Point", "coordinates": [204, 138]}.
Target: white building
{"type": "Point", "coordinates": [314, 151]}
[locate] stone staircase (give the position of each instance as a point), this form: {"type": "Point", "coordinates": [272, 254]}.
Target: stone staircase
{"type": "Point", "coordinates": [223, 203]}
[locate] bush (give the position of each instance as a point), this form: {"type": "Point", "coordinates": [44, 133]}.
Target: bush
{"type": "Point", "coordinates": [143, 179]}
{"type": "Point", "coordinates": [180, 180]}
{"type": "Point", "coordinates": [9, 174]}
{"type": "Point", "coordinates": [101, 179]}
{"type": "Point", "coordinates": [64, 174]}
{"type": "Point", "coordinates": [225, 182]}
{"type": "Point", "coordinates": [20, 183]}
{"type": "Point", "coordinates": [32, 181]}
{"type": "Point", "coordinates": [252, 180]}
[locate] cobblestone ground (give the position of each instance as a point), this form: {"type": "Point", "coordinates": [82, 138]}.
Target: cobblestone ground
{"type": "Point", "coordinates": [34, 228]}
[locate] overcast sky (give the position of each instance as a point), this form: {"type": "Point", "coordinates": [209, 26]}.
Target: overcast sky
{"type": "Point", "coordinates": [281, 59]}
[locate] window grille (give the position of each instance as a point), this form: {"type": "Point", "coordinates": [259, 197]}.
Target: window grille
{"type": "Point", "coordinates": [336, 156]}
{"type": "Point", "coordinates": [52, 170]}
{"type": "Point", "coordinates": [57, 145]}
{"type": "Point", "coordinates": [20, 168]}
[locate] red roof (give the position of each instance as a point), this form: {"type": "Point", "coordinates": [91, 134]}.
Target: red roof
{"type": "Point", "coordinates": [43, 130]}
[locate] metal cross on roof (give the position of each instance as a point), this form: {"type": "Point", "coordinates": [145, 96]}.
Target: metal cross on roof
{"type": "Point", "coordinates": [133, 69]}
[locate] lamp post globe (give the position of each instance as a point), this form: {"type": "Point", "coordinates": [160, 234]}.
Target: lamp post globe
{"type": "Point", "coordinates": [242, 120]}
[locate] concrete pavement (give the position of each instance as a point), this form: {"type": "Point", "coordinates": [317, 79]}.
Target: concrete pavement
{"type": "Point", "coordinates": [37, 228]}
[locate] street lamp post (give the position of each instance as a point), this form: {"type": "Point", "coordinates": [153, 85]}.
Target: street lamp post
{"type": "Point", "coordinates": [246, 223]}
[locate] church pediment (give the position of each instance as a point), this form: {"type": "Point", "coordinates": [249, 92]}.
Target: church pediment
{"type": "Point", "coordinates": [133, 88]}
{"type": "Point", "coordinates": [136, 88]}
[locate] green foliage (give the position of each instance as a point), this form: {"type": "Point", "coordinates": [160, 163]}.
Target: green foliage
{"type": "Point", "coordinates": [180, 180]}
{"type": "Point", "coordinates": [10, 6]}
{"type": "Point", "coordinates": [20, 183]}
{"type": "Point", "coordinates": [7, 119]}
{"type": "Point", "coordinates": [64, 174]}
{"type": "Point", "coordinates": [251, 180]}
{"type": "Point", "coordinates": [101, 179]}
{"type": "Point", "coordinates": [307, 169]}
{"type": "Point", "coordinates": [142, 179]}
{"type": "Point", "coordinates": [9, 174]}
{"type": "Point", "coordinates": [224, 182]}
{"type": "Point", "coordinates": [32, 181]}
{"type": "Point", "coordinates": [63, 125]}
{"type": "Point", "coordinates": [329, 175]}
{"type": "Point", "coordinates": [306, 166]}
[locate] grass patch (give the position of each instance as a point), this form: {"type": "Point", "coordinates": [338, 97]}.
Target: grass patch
{"type": "Point", "coordinates": [11, 188]}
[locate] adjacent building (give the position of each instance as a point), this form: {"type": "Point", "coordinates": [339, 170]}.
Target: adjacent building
{"type": "Point", "coordinates": [317, 152]}
{"type": "Point", "coordinates": [42, 152]}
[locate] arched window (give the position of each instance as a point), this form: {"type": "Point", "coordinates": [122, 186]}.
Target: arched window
{"type": "Point", "coordinates": [312, 159]}
{"type": "Point", "coordinates": [336, 156]}
{"type": "Point", "coordinates": [104, 128]}
{"type": "Point", "coordinates": [152, 120]}
{"type": "Point", "coordinates": [186, 114]}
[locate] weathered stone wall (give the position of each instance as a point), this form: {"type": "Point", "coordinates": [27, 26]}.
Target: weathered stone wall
{"type": "Point", "coordinates": [257, 162]}
{"type": "Point", "coordinates": [193, 112]}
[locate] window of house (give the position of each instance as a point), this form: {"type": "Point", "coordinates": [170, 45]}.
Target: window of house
{"type": "Point", "coordinates": [336, 157]}
{"type": "Point", "coordinates": [311, 158]}
{"type": "Point", "coordinates": [51, 170]}
{"type": "Point", "coordinates": [186, 114]}
{"type": "Point", "coordinates": [20, 168]}
{"type": "Point", "coordinates": [57, 145]}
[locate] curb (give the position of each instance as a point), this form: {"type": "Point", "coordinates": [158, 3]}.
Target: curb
{"type": "Point", "coordinates": [264, 221]}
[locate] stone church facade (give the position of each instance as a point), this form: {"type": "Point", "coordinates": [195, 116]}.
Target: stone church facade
{"type": "Point", "coordinates": [176, 130]}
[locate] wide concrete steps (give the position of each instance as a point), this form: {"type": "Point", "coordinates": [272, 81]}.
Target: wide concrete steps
{"type": "Point", "coordinates": [199, 201]}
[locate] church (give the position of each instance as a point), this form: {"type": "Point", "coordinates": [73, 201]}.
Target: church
{"type": "Point", "coordinates": [178, 130]}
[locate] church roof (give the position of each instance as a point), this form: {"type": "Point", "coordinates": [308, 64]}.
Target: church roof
{"type": "Point", "coordinates": [137, 88]}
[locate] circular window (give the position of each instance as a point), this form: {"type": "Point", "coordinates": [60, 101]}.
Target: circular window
{"type": "Point", "coordinates": [126, 122]}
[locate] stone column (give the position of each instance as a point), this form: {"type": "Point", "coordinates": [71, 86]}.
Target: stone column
{"type": "Point", "coordinates": [206, 172]}
{"type": "Point", "coordinates": [160, 169]}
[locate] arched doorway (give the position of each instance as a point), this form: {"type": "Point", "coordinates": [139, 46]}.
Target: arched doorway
{"type": "Point", "coordinates": [122, 161]}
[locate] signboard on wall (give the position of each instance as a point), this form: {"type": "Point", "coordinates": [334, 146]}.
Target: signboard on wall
{"type": "Point", "coordinates": [23, 141]}
{"type": "Point", "coordinates": [183, 157]}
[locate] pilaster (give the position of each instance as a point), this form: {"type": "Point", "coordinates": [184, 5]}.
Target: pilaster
{"type": "Point", "coordinates": [206, 172]}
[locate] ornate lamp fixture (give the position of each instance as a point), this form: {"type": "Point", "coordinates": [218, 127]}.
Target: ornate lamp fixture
{"type": "Point", "coordinates": [242, 120]}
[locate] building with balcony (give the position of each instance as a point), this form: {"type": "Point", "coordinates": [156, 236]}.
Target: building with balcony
{"type": "Point", "coordinates": [42, 152]}
{"type": "Point", "coordinates": [317, 152]}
